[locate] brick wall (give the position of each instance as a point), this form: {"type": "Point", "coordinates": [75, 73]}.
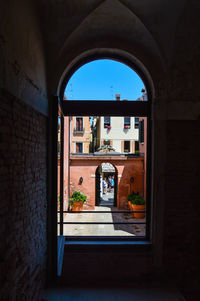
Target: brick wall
{"type": "Point", "coordinates": [23, 203]}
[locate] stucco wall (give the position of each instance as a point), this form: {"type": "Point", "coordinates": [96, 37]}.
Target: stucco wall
{"type": "Point", "coordinates": [83, 137]}
{"type": "Point", "coordinates": [22, 61]}
{"type": "Point", "coordinates": [125, 167]}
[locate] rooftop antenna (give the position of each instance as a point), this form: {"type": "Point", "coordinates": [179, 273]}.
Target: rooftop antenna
{"type": "Point", "coordinates": [71, 92]}
{"type": "Point", "coordinates": [112, 92]}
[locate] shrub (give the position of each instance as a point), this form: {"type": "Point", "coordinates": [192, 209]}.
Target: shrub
{"type": "Point", "coordinates": [131, 196]}
{"type": "Point", "coordinates": [136, 199]}
{"type": "Point", "coordinates": [77, 196]}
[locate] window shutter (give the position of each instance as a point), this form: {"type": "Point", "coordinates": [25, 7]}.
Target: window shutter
{"type": "Point", "coordinates": [81, 124]}
{"type": "Point", "coordinates": [136, 145]}
{"type": "Point", "coordinates": [141, 131]}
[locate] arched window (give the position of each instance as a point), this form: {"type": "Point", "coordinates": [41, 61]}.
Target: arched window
{"type": "Point", "coordinates": [113, 104]}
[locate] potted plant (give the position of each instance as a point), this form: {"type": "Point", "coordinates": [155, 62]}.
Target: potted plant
{"type": "Point", "coordinates": [76, 201]}
{"type": "Point", "coordinates": [137, 204]}
{"type": "Point", "coordinates": [131, 196]}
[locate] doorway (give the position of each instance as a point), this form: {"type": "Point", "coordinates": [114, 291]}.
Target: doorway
{"type": "Point", "coordinates": [106, 185]}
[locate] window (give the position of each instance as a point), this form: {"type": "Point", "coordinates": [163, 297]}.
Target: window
{"type": "Point", "coordinates": [136, 122]}
{"type": "Point", "coordinates": [94, 181]}
{"type": "Point", "coordinates": [127, 122]}
{"type": "Point", "coordinates": [106, 142]}
{"type": "Point", "coordinates": [79, 147]}
{"type": "Point", "coordinates": [106, 122]}
{"type": "Point", "coordinates": [79, 124]}
{"type": "Point", "coordinates": [127, 146]}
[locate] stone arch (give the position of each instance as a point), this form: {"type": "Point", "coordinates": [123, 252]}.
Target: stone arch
{"type": "Point", "coordinates": [131, 35]}
{"type": "Point", "coordinates": [107, 53]}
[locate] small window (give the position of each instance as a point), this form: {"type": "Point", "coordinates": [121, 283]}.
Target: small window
{"type": "Point", "coordinates": [127, 122]}
{"type": "Point", "coordinates": [79, 124]}
{"type": "Point", "coordinates": [106, 122]}
{"type": "Point", "coordinates": [136, 122]}
{"type": "Point", "coordinates": [106, 142]}
{"type": "Point", "coordinates": [79, 147]}
{"type": "Point", "coordinates": [127, 146]}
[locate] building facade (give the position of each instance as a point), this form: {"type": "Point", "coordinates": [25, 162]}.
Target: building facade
{"type": "Point", "coordinates": [80, 131]}
{"type": "Point", "coordinates": [122, 133]}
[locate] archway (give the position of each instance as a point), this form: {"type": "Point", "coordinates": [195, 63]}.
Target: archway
{"type": "Point", "coordinates": [117, 55]}
{"type": "Point", "coordinates": [106, 185]}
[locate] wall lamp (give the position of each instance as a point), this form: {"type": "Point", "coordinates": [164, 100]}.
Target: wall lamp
{"type": "Point", "coordinates": [81, 180]}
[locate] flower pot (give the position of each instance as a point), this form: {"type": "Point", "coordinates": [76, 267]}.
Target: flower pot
{"type": "Point", "coordinates": [129, 205]}
{"type": "Point", "coordinates": [138, 208]}
{"type": "Point", "coordinates": [77, 206]}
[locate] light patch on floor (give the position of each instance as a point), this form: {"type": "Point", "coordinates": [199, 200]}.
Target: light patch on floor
{"type": "Point", "coordinates": [103, 230]}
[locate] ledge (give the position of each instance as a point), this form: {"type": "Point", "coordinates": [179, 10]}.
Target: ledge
{"type": "Point", "coordinates": [113, 246]}
{"type": "Point", "coordinates": [113, 243]}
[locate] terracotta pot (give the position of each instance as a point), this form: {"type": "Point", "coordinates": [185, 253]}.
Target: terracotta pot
{"type": "Point", "coordinates": [77, 206]}
{"type": "Point", "coordinates": [129, 204]}
{"type": "Point", "coordinates": [138, 208]}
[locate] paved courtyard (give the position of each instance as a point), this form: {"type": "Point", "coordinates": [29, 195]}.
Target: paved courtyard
{"type": "Point", "coordinates": [108, 216]}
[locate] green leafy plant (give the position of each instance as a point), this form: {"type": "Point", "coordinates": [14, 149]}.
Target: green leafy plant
{"type": "Point", "coordinates": [132, 196]}
{"type": "Point", "coordinates": [77, 196]}
{"type": "Point", "coordinates": [138, 201]}
{"type": "Point", "coordinates": [135, 199]}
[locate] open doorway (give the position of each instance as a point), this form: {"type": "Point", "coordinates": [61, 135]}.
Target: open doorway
{"type": "Point", "coordinates": [106, 185]}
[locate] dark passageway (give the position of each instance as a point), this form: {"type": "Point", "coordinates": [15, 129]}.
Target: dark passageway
{"type": "Point", "coordinates": [42, 43]}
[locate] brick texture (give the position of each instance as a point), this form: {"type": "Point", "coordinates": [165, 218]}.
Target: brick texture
{"type": "Point", "coordinates": [23, 206]}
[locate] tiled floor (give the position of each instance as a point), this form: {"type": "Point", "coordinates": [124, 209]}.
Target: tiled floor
{"type": "Point", "coordinates": [113, 294]}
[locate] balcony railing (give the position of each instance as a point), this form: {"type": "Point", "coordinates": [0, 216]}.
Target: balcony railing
{"type": "Point", "coordinates": [79, 131]}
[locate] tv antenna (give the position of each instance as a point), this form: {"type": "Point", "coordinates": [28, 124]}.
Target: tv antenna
{"type": "Point", "coordinates": [112, 92]}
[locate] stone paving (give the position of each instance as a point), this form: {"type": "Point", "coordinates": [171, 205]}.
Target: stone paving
{"type": "Point", "coordinates": [107, 199]}
{"type": "Point", "coordinates": [103, 230]}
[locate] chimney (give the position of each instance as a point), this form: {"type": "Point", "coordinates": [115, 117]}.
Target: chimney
{"type": "Point", "coordinates": [117, 97]}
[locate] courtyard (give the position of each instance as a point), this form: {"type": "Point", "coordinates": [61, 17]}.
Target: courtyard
{"type": "Point", "coordinates": [109, 215]}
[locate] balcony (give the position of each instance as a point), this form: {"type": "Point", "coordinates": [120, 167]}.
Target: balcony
{"type": "Point", "coordinates": [126, 127]}
{"type": "Point", "coordinates": [78, 131]}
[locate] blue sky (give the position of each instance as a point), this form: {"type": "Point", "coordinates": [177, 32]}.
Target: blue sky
{"type": "Point", "coordinates": [102, 79]}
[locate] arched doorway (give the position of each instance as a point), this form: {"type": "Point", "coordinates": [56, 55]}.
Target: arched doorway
{"type": "Point", "coordinates": [106, 185]}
